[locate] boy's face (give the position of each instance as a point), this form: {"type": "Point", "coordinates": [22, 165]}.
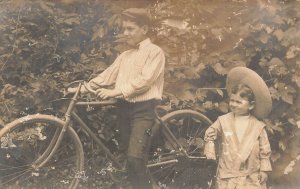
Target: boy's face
{"type": "Point", "coordinates": [133, 32]}
{"type": "Point", "coordinates": [239, 105]}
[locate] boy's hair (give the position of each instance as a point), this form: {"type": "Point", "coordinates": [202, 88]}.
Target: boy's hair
{"type": "Point", "coordinates": [137, 15]}
{"type": "Point", "coordinates": [244, 91]}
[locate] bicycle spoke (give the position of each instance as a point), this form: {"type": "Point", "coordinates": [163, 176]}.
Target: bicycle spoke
{"type": "Point", "coordinates": [188, 128]}
{"type": "Point", "coordinates": [14, 178]}
{"type": "Point", "coordinates": [161, 168]}
{"type": "Point", "coordinates": [26, 143]}
{"type": "Point", "coordinates": [196, 133]}
{"type": "Point", "coordinates": [163, 173]}
{"type": "Point", "coordinates": [188, 125]}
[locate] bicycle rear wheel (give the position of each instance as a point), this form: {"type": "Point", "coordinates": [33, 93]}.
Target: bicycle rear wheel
{"type": "Point", "coordinates": [26, 142]}
{"type": "Point", "coordinates": [167, 165]}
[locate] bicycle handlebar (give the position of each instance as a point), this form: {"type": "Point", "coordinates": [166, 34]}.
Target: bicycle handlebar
{"type": "Point", "coordinates": [72, 83]}
{"type": "Point", "coordinates": [88, 88]}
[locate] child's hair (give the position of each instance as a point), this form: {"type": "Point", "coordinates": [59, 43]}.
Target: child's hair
{"type": "Point", "coordinates": [243, 91]}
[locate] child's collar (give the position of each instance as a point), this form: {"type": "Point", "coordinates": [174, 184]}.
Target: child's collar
{"type": "Point", "coordinates": [242, 116]}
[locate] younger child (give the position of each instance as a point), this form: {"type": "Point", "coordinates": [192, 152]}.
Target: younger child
{"type": "Point", "coordinates": [244, 148]}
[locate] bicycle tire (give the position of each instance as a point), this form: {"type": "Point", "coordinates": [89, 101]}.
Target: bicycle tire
{"type": "Point", "coordinates": [188, 127]}
{"type": "Point", "coordinates": [21, 137]}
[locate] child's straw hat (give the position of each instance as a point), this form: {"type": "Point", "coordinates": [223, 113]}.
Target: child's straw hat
{"type": "Point", "coordinates": [242, 75]}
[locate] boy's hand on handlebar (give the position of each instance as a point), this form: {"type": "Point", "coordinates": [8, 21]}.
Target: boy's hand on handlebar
{"type": "Point", "coordinates": [70, 90]}
{"type": "Point", "coordinates": [108, 93]}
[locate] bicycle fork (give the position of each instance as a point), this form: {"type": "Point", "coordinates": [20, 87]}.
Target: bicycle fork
{"type": "Point", "coordinates": [58, 135]}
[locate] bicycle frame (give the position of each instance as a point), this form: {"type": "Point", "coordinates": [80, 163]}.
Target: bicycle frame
{"type": "Point", "coordinates": [71, 114]}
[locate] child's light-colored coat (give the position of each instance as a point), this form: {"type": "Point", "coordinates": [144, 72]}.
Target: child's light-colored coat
{"type": "Point", "coordinates": [245, 157]}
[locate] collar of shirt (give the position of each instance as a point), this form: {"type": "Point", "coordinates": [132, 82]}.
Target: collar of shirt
{"type": "Point", "coordinates": [142, 44]}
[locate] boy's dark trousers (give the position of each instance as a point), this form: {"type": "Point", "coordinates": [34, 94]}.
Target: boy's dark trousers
{"type": "Point", "coordinates": [135, 122]}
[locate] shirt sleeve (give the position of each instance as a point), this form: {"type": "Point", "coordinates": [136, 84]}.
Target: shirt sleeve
{"type": "Point", "coordinates": [265, 152]}
{"type": "Point", "coordinates": [152, 69]}
{"type": "Point", "coordinates": [211, 135]}
{"type": "Point", "coordinates": [107, 77]}
{"type": "Point", "coordinates": [213, 131]}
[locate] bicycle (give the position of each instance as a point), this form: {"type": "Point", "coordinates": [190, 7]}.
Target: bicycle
{"type": "Point", "coordinates": [40, 149]}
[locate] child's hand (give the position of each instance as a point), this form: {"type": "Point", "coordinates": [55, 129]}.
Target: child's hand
{"type": "Point", "coordinates": [209, 150]}
{"type": "Point", "coordinates": [263, 176]}
{"type": "Point", "coordinates": [211, 156]}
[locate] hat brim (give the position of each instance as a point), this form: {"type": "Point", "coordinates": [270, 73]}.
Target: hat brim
{"type": "Point", "coordinates": [242, 75]}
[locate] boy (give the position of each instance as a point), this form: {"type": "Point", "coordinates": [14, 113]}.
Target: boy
{"type": "Point", "coordinates": [138, 76]}
{"type": "Point", "coordinates": [244, 148]}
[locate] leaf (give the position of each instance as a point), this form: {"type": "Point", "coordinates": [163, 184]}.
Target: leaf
{"type": "Point", "coordinates": [176, 23]}
{"type": "Point", "coordinates": [275, 156]}
{"type": "Point", "coordinates": [277, 67]}
{"type": "Point", "coordinates": [296, 79]}
{"type": "Point", "coordinates": [220, 69]}
{"type": "Point", "coordinates": [179, 75]}
{"type": "Point", "coordinates": [278, 19]}
{"type": "Point", "coordinates": [279, 34]}
{"type": "Point", "coordinates": [200, 67]}
{"type": "Point", "coordinates": [9, 89]}
{"type": "Point", "coordinates": [220, 92]}
{"type": "Point", "coordinates": [286, 92]}
{"type": "Point", "coordinates": [290, 36]}
{"type": "Point", "coordinates": [274, 93]}
{"type": "Point", "coordinates": [263, 62]}
{"type": "Point", "coordinates": [292, 52]}
{"type": "Point", "coordinates": [187, 95]}
{"type": "Point", "coordinates": [282, 145]}
{"type": "Point", "coordinates": [181, 89]}
{"type": "Point", "coordinates": [45, 7]}
{"type": "Point", "coordinates": [71, 21]}
{"type": "Point", "coordinates": [264, 37]}
{"type": "Point", "coordinates": [216, 32]}
{"type": "Point", "coordinates": [223, 107]}
{"type": "Point", "coordinates": [99, 34]}
{"type": "Point", "coordinates": [201, 94]}
{"type": "Point", "coordinates": [208, 105]}
{"type": "Point", "coordinates": [191, 73]}
{"type": "Point", "coordinates": [290, 167]}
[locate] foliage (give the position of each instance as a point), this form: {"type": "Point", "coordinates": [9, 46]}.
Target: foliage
{"type": "Point", "coordinates": [46, 44]}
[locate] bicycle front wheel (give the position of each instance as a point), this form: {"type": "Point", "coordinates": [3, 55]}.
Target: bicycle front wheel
{"type": "Point", "coordinates": [168, 163]}
{"type": "Point", "coordinates": [26, 142]}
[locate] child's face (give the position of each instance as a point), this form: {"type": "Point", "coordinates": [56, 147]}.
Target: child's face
{"type": "Point", "coordinates": [239, 105]}
{"type": "Point", "coordinates": [133, 32]}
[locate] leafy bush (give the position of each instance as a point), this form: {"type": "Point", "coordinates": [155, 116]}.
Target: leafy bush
{"type": "Point", "coordinates": [46, 44]}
